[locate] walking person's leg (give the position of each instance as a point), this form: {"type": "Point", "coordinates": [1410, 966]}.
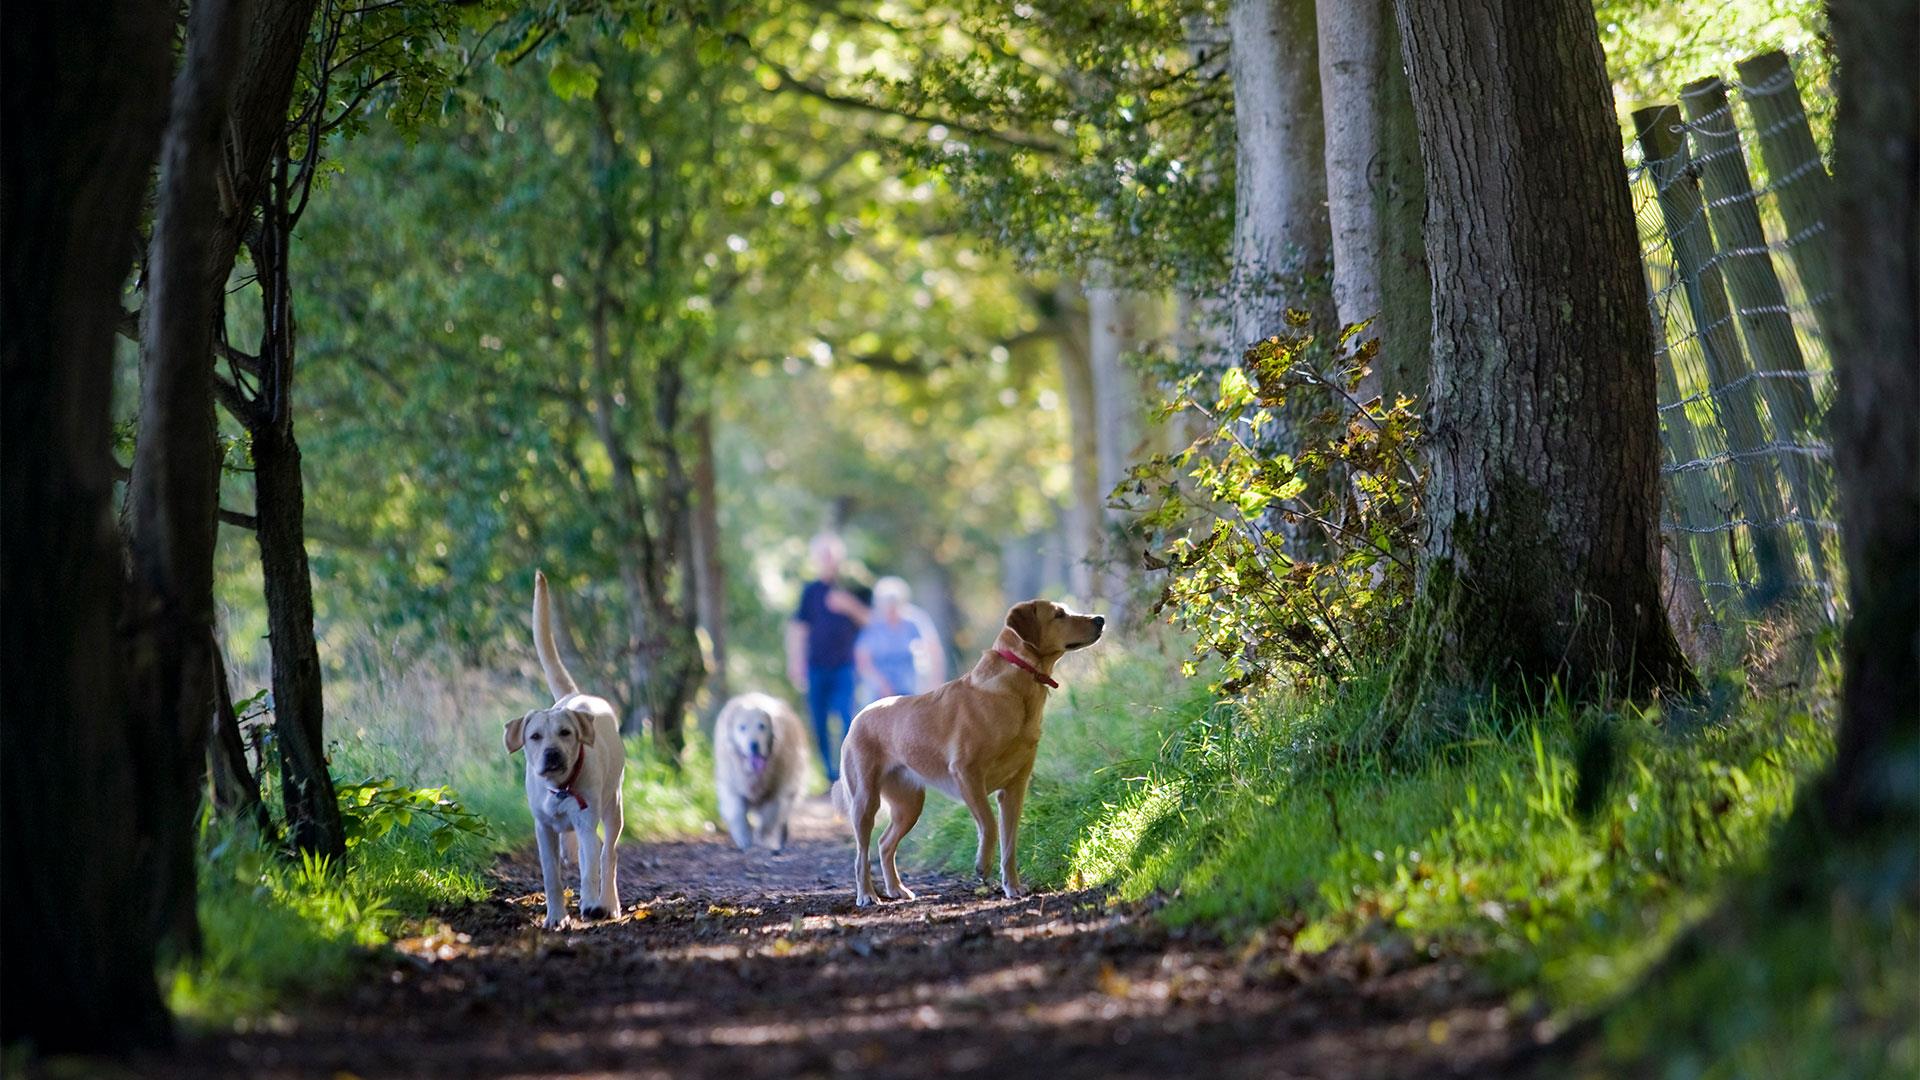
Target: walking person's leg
{"type": "Point", "coordinates": [820, 697]}
{"type": "Point", "coordinates": [842, 702]}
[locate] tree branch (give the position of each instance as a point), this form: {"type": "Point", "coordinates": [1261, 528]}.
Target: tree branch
{"type": "Point", "coordinates": [129, 328]}
{"type": "Point", "coordinates": [1017, 139]}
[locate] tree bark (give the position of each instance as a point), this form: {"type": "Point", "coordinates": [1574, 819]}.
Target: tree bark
{"type": "Point", "coordinates": [1114, 330]}
{"type": "Point", "coordinates": [1116, 319]}
{"type": "Point", "coordinates": [1087, 514]}
{"type": "Point", "coordinates": [1281, 235]}
{"type": "Point", "coordinates": [306, 785]}
{"type": "Point", "coordinates": [84, 103]}
{"type": "Point", "coordinates": [677, 669]}
{"type": "Point", "coordinates": [1543, 555]}
{"type": "Point", "coordinates": [1406, 316]}
{"type": "Point", "coordinates": [1353, 66]}
{"type": "Point", "coordinates": [173, 496]}
{"type": "Point", "coordinates": [1870, 798]}
{"type": "Point", "coordinates": [709, 566]}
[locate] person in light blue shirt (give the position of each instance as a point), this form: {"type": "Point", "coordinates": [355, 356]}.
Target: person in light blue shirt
{"type": "Point", "coordinates": [887, 650]}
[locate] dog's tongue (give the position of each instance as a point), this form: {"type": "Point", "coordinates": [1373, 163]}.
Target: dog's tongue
{"type": "Point", "coordinates": [756, 762]}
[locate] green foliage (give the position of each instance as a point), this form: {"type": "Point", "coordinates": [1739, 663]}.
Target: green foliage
{"type": "Point", "coordinates": [1074, 133]}
{"type": "Point", "coordinates": [1300, 565]}
{"type": "Point", "coordinates": [276, 929]}
{"type": "Point", "coordinates": [669, 798]}
{"type": "Point", "coordinates": [746, 243]}
{"type": "Point", "coordinates": [376, 806]}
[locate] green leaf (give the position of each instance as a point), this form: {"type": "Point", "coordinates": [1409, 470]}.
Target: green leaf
{"type": "Point", "coordinates": [571, 79]}
{"type": "Point", "coordinates": [1235, 391]}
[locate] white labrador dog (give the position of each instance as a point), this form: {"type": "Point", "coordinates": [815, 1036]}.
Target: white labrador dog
{"type": "Point", "coordinates": [575, 763]}
{"type": "Point", "coordinates": [759, 767]}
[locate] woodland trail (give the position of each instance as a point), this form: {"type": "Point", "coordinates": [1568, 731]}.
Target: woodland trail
{"type": "Point", "coordinates": [738, 965]}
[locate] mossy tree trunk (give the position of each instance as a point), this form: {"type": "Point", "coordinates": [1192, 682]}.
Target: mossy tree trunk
{"type": "Point", "coordinates": [1543, 556]}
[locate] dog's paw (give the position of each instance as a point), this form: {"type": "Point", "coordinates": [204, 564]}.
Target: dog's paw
{"type": "Point", "coordinates": [594, 913]}
{"type": "Point", "coordinates": [902, 893]}
{"type": "Point", "coordinates": [863, 900]}
{"type": "Point", "coordinates": [1015, 891]}
{"type": "Point", "coordinates": [554, 922]}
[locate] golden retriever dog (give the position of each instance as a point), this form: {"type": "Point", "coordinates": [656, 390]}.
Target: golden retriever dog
{"type": "Point", "coordinates": [970, 738]}
{"type": "Point", "coordinates": [759, 768]}
{"type": "Point", "coordinates": [575, 763]}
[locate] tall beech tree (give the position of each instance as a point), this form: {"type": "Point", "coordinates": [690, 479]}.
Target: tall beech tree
{"type": "Point", "coordinates": [84, 101]}
{"type": "Point", "coordinates": [1375, 199]}
{"type": "Point", "coordinates": [1543, 556]}
{"type": "Point", "coordinates": [1282, 242]}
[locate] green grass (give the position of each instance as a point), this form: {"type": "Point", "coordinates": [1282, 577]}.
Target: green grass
{"type": "Point", "coordinates": [1247, 817]}
{"type": "Point", "coordinates": [277, 929]}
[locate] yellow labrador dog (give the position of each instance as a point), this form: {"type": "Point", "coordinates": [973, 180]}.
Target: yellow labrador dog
{"type": "Point", "coordinates": [575, 763]}
{"type": "Point", "coordinates": [969, 738]}
{"type": "Point", "coordinates": [759, 767]}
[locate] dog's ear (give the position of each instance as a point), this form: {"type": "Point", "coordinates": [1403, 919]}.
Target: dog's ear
{"type": "Point", "coordinates": [517, 733]}
{"type": "Point", "coordinates": [587, 727]}
{"type": "Point", "coordinates": [1024, 620]}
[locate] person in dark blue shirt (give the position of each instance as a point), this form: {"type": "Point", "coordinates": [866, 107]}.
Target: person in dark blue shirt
{"type": "Point", "coordinates": [820, 647]}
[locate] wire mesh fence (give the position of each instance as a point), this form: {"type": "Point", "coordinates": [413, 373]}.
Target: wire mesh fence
{"type": "Point", "coordinates": [1732, 195]}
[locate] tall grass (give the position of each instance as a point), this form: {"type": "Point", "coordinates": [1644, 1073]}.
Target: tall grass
{"type": "Point", "coordinates": [1263, 816]}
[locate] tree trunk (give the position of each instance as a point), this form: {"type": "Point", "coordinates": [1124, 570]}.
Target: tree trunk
{"type": "Point", "coordinates": [1281, 236]}
{"type": "Point", "coordinates": [253, 130]}
{"type": "Point", "coordinates": [1113, 320]}
{"type": "Point", "coordinates": [1353, 66]}
{"type": "Point", "coordinates": [1087, 513]}
{"type": "Point", "coordinates": [1406, 293]}
{"type": "Point", "coordinates": [639, 669]}
{"type": "Point", "coordinates": [173, 496]}
{"type": "Point", "coordinates": [709, 566]}
{"type": "Point", "coordinates": [84, 101]}
{"type": "Point", "coordinates": [1116, 319]}
{"type": "Point", "coordinates": [312, 812]}
{"type": "Point", "coordinates": [1543, 556]}
{"type": "Point", "coordinates": [236, 790]}
{"type": "Point", "coordinates": [1870, 797]}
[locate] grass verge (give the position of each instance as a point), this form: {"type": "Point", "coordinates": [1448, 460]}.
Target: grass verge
{"type": "Point", "coordinates": [431, 799]}
{"type": "Point", "coordinates": [1565, 888]}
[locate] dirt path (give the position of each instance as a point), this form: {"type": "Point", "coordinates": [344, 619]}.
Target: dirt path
{"type": "Point", "coordinates": [741, 966]}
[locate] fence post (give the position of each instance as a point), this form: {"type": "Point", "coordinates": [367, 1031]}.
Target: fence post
{"type": "Point", "coordinates": [1757, 295]}
{"type": "Point", "coordinates": [1735, 392]}
{"type": "Point", "coordinates": [1693, 491]}
{"type": "Point", "coordinates": [1795, 175]}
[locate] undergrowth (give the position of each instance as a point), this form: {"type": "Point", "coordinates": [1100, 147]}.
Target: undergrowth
{"type": "Point", "coordinates": [429, 798]}
{"type": "Point", "coordinates": [1267, 819]}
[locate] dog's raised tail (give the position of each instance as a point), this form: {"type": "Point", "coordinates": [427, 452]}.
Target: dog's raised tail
{"type": "Point", "coordinates": [558, 679]}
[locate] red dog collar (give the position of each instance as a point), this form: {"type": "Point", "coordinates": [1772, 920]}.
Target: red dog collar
{"type": "Point", "coordinates": [566, 788]}
{"type": "Point", "coordinates": [1038, 675]}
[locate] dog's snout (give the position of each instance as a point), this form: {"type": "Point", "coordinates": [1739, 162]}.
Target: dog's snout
{"type": "Point", "coordinates": [552, 759]}
{"type": "Point", "coordinates": [1099, 622]}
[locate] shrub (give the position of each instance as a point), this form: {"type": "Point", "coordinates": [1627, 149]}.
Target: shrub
{"type": "Point", "coordinates": [1287, 564]}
